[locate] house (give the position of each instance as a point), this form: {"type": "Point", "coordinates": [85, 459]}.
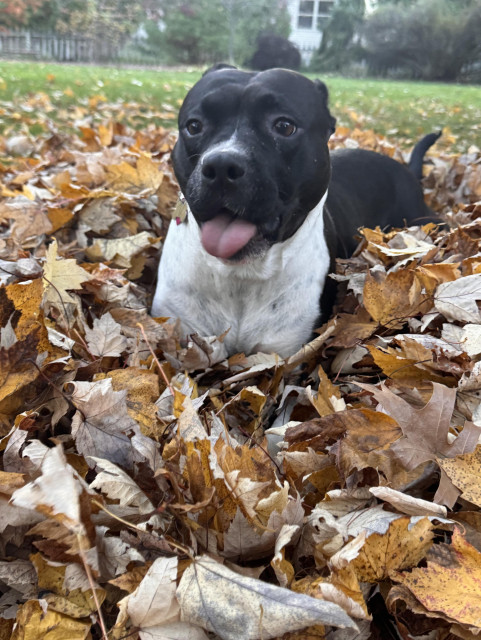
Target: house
{"type": "Point", "coordinates": [308, 18]}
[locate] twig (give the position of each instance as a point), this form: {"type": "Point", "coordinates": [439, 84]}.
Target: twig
{"type": "Point", "coordinates": [162, 372]}
{"type": "Point", "coordinates": [92, 586]}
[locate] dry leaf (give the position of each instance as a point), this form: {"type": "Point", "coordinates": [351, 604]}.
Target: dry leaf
{"type": "Point", "coordinates": [403, 546]}
{"type": "Point", "coordinates": [464, 471]}
{"type": "Point", "coordinates": [102, 428]}
{"type": "Point", "coordinates": [105, 340]}
{"type": "Point", "coordinates": [457, 300]}
{"type": "Point", "coordinates": [425, 431]}
{"type": "Point", "coordinates": [60, 275]}
{"type": "Point", "coordinates": [450, 584]}
{"type": "Point", "coordinates": [117, 485]}
{"type": "Point", "coordinates": [233, 606]}
{"type": "Point", "coordinates": [34, 623]}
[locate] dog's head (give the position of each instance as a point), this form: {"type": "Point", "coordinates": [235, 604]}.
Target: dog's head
{"type": "Point", "coordinates": [252, 157]}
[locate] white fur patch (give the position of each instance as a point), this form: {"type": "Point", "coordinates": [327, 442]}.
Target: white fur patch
{"type": "Point", "coordinates": [268, 304]}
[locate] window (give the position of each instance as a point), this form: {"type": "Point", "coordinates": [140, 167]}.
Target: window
{"type": "Point", "coordinates": [305, 18]}
{"type": "Point", "coordinates": [324, 7]}
{"type": "Point", "coordinates": [313, 14]}
{"type": "Point", "coordinates": [304, 22]}
{"type": "Point", "coordinates": [321, 22]}
{"type": "Point", "coordinates": [306, 6]}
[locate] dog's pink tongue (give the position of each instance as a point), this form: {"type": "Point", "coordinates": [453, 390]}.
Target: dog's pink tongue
{"type": "Point", "coordinates": [223, 236]}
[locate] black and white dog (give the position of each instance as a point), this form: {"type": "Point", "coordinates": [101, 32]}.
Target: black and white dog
{"type": "Point", "coordinates": [265, 216]}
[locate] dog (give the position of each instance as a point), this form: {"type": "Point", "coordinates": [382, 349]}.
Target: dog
{"type": "Point", "coordinates": [269, 209]}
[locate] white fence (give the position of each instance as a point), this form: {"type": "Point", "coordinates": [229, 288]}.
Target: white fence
{"type": "Point", "coordinates": [54, 46]}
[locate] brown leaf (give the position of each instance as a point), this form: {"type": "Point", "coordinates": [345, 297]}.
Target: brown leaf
{"type": "Point", "coordinates": [369, 436]}
{"type": "Point", "coordinates": [104, 339]}
{"type": "Point", "coordinates": [394, 297]}
{"type": "Point", "coordinates": [17, 365]}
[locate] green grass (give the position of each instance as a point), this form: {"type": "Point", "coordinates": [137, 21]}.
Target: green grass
{"type": "Point", "coordinates": [402, 110]}
{"type": "Point", "coordinates": [409, 109]}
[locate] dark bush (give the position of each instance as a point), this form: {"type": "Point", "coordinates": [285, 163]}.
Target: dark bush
{"type": "Point", "coordinates": [275, 51]}
{"type": "Point", "coordinates": [429, 40]}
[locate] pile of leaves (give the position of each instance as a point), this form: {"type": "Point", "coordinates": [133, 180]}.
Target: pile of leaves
{"type": "Point", "coordinates": [155, 489]}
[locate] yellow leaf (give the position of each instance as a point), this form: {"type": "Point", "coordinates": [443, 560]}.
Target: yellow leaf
{"type": "Point", "coordinates": [60, 275]}
{"type": "Point", "coordinates": [403, 546]}
{"type": "Point", "coordinates": [35, 624]}
{"type": "Point", "coordinates": [146, 176]}
{"type": "Point", "coordinates": [142, 387]}
{"type": "Point", "coordinates": [391, 299]}
{"type": "Point", "coordinates": [464, 471]}
{"type": "Point", "coordinates": [76, 603]}
{"type": "Point", "coordinates": [451, 583]}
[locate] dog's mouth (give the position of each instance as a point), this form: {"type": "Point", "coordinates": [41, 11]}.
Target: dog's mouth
{"type": "Point", "coordinates": [226, 235]}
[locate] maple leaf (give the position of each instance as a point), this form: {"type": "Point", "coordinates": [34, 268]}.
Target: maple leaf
{"type": "Point", "coordinates": [19, 575]}
{"type": "Point", "coordinates": [66, 587]}
{"type": "Point", "coordinates": [114, 554]}
{"type": "Point", "coordinates": [425, 431]}
{"type": "Point", "coordinates": [36, 622]}
{"type": "Point", "coordinates": [376, 556]}
{"type": "Point", "coordinates": [457, 300]}
{"type": "Point", "coordinates": [454, 571]}
{"type": "Point", "coordinates": [464, 471]}
{"type": "Point", "coordinates": [60, 275]}
{"type": "Point", "coordinates": [120, 251]}
{"type": "Point", "coordinates": [145, 177]}
{"type": "Point", "coordinates": [17, 365]}
{"type": "Point", "coordinates": [119, 486]}
{"type": "Point", "coordinates": [58, 493]}
{"type": "Point", "coordinates": [102, 427]}
{"type": "Point", "coordinates": [153, 606]}
{"type": "Point", "coordinates": [391, 298]}
{"type": "Point", "coordinates": [104, 339]}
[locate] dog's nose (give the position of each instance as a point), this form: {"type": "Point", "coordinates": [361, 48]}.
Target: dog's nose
{"type": "Point", "coordinates": [223, 167]}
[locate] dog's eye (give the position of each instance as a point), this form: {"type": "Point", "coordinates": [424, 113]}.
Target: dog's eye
{"type": "Point", "coordinates": [193, 127]}
{"type": "Point", "coordinates": [285, 127]}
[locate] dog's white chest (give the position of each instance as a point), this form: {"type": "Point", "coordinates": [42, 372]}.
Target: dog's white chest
{"type": "Point", "coordinates": [269, 304]}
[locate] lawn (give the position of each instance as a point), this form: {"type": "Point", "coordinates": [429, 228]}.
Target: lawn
{"type": "Point", "coordinates": [402, 110]}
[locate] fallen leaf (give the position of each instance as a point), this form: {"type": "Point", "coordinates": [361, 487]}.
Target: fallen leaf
{"type": "Point", "coordinates": [233, 606]}
{"type": "Point", "coordinates": [104, 339]}
{"type": "Point", "coordinates": [102, 428]}
{"type": "Point", "coordinates": [34, 623]}
{"type": "Point", "coordinates": [455, 571]}
{"type": "Point", "coordinates": [403, 546]}
{"type": "Point", "coordinates": [457, 300]}
{"type": "Point", "coordinates": [425, 431]}
{"type": "Point", "coordinates": [392, 298]}
{"type": "Point", "coordinates": [117, 485]}
{"type": "Point", "coordinates": [464, 471]}
{"type": "Point", "coordinates": [60, 275]}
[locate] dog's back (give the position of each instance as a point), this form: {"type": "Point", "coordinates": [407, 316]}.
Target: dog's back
{"type": "Point", "coordinates": [371, 189]}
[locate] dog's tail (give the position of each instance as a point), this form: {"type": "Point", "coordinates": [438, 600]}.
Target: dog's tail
{"type": "Point", "coordinates": [417, 155]}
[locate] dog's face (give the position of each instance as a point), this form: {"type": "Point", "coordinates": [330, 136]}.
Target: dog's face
{"type": "Point", "coordinates": [252, 157]}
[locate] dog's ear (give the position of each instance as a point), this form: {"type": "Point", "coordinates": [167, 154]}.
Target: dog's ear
{"type": "Point", "coordinates": [216, 67]}
{"type": "Point", "coordinates": [321, 87]}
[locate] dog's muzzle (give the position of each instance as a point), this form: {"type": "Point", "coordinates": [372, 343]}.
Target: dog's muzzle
{"type": "Point", "coordinates": [224, 231]}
